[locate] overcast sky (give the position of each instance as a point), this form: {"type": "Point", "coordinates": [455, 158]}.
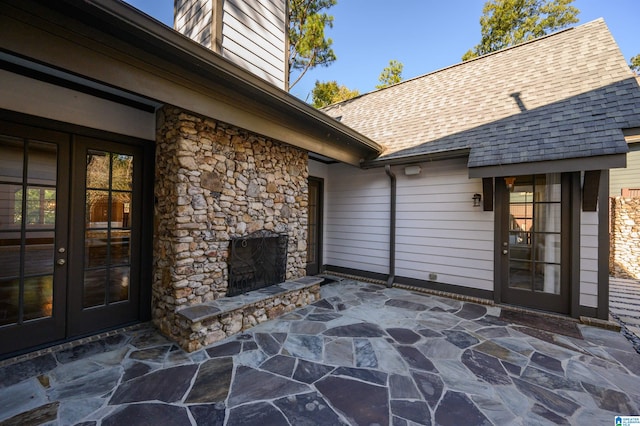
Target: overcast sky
{"type": "Point", "coordinates": [425, 35]}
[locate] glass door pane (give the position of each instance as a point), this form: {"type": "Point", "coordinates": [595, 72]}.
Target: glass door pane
{"type": "Point", "coordinates": [28, 178]}
{"type": "Point", "coordinates": [108, 206]}
{"type": "Point", "coordinates": [312, 225]}
{"type": "Point", "coordinates": [535, 233]}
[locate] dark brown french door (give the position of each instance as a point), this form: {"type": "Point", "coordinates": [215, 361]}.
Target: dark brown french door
{"type": "Point", "coordinates": [104, 266]}
{"type": "Point", "coordinates": [535, 246]}
{"type": "Point", "coordinates": [70, 232]}
{"type": "Point", "coordinates": [34, 176]}
{"type": "Point", "coordinates": [314, 227]}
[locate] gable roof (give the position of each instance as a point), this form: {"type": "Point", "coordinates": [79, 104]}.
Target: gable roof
{"type": "Point", "coordinates": [563, 96]}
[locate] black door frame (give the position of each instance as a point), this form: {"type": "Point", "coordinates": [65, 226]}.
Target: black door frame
{"type": "Point", "coordinates": [315, 267]}
{"type": "Point", "coordinates": [21, 340]}
{"type": "Point", "coordinates": [34, 332]}
{"type": "Point", "coordinates": [86, 320]}
{"type": "Point", "coordinates": [565, 303]}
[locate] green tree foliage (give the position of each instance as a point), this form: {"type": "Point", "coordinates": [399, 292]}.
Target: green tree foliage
{"type": "Point", "coordinates": [507, 22]}
{"type": "Point", "coordinates": [634, 64]}
{"type": "Point", "coordinates": [390, 75]}
{"type": "Point", "coordinates": [308, 46]}
{"type": "Point", "coordinates": [329, 92]}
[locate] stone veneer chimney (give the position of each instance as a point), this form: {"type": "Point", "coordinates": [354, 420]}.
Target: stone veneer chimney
{"type": "Point", "coordinates": [213, 182]}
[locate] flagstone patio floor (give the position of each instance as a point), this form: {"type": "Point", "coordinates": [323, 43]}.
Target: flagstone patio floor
{"type": "Point", "coordinates": [363, 355]}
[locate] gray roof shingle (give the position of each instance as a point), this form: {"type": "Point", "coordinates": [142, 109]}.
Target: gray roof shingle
{"type": "Point", "coordinates": [566, 95]}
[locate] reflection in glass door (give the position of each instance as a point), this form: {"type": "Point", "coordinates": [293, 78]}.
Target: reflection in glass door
{"type": "Point", "coordinates": [108, 203]}
{"type": "Point", "coordinates": [534, 233]}
{"type": "Point", "coordinates": [32, 272]}
{"type": "Point", "coordinates": [28, 188]}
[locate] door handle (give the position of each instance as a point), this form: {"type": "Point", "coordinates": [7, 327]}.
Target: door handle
{"type": "Point", "coordinates": [61, 262]}
{"type": "Point", "coordinates": [505, 251]}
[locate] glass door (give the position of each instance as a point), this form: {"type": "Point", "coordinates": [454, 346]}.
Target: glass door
{"type": "Point", "coordinates": [535, 246]}
{"type": "Point", "coordinates": [314, 227]}
{"type": "Point", "coordinates": [33, 229]}
{"type": "Point", "coordinates": [104, 290]}
{"type": "Point", "coordinates": [70, 235]}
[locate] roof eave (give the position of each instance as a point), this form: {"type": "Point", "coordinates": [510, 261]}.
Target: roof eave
{"type": "Point", "coordinates": [121, 20]}
{"type": "Point", "coordinates": [252, 85]}
{"type": "Point", "coordinates": [600, 162]}
{"type": "Point", "coordinates": [417, 158]}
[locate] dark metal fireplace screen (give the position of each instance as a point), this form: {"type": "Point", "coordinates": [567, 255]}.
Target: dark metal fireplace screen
{"type": "Point", "coordinates": [257, 260]}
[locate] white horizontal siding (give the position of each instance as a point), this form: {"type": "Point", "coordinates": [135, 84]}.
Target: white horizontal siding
{"type": "Point", "coordinates": [589, 259]}
{"type": "Point", "coordinates": [364, 223]}
{"type": "Point", "coordinates": [435, 221]}
{"type": "Point", "coordinates": [588, 239]}
{"type": "Point", "coordinates": [256, 18]}
{"type": "Point", "coordinates": [433, 256]}
{"type": "Point", "coordinates": [588, 300]}
{"type": "Point", "coordinates": [453, 244]}
{"type": "Point", "coordinates": [351, 213]}
{"type": "Point", "coordinates": [437, 229]}
{"type": "Point", "coordinates": [193, 19]}
{"type": "Point", "coordinates": [356, 220]}
{"type": "Point", "coordinates": [348, 232]}
{"type": "Point", "coordinates": [629, 177]}
{"type": "Point", "coordinates": [254, 37]}
{"type": "Point", "coordinates": [254, 50]}
{"type": "Point", "coordinates": [230, 48]}
{"type": "Point", "coordinates": [253, 33]}
{"type": "Point", "coordinates": [347, 200]}
{"type": "Point", "coordinates": [589, 253]}
{"type": "Point", "coordinates": [449, 234]}
{"type": "Point", "coordinates": [376, 244]}
{"type": "Point", "coordinates": [357, 253]}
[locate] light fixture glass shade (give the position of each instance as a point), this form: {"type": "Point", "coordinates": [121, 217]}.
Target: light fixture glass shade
{"type": "Point", "coordinates": [412, 170]}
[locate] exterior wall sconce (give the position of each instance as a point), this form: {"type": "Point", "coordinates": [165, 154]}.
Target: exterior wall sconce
{"type": "Point", "coordinates": [476, 200]}
{"type": "Point", "coordinates": [412, 170]}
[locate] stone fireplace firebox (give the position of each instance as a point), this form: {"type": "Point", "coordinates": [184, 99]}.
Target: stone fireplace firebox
{"type": "Point", "coordinates": [214, 182]}
{"type": "Point", "coordinates": [257, 260]}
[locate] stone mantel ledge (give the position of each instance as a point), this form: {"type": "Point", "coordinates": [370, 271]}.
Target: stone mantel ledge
{"type": "Point", "coordinates": [205, 323]}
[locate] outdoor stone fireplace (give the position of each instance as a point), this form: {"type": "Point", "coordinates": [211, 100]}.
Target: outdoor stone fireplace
{"type": "Point", "coordinates": [255, 261]}
{"type": "Point", "coordinates": [216, 183]}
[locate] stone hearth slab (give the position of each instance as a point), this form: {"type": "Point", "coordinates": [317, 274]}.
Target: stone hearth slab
{"type": "Point", "coordinates": [200, 325]}
{"type": "Point", "coordinates": [226, 305]}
